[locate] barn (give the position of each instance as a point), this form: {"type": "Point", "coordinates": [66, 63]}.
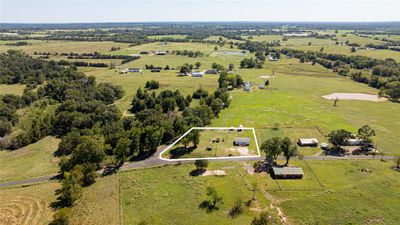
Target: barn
{"type": "Point", "coordinates": [287, 172]}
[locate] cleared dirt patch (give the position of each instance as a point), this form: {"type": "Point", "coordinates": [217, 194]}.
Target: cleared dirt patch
{"type": "Point", "coordinates": [355, 96]}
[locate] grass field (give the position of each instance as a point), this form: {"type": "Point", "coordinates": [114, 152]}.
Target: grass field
{"type": "Point", "coordinates": [65, 46]}
{"type": "Point", "coordinates": [324, 196]}
{"type": "Point", "coordinates": [350, 196]}
{"type": "Point", "coordinates": [16, 89]}
{"type": "Point", "coordinates": [99, 204]}
{"type": "Point", "coordinates": [31, 161]}
{"type": "Point", "coordinates": [27, 205]}
{"type": "Point", "coordinates": [209, 147]}
{"type": "Point", "coordinates": [178, 196]}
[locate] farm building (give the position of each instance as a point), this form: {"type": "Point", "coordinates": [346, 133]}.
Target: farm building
{"type": "Point", "coordinates": [144, 52]}
{"type": "Point", "coordinates": [242, 141]}
{"type": "Point", "coordinates": [135, 55]}
{"type": "Point", "coordinates": [313, 142]}
{"type": "Point", "coordinates": [160, 52]}
{"type": "Point", "coordinates": [197, 74]}
{"type": "Point", "coordinates": [262, 87]}
{"type": "Point", "coordinates": [287, 172]}
{"type": "Point", "coordinates": [135, 70]}
{"type": "Point", "coordinates": [211, 72]}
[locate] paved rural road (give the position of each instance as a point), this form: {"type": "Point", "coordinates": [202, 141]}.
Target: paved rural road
{"type": "Point", "coordinates": [155, 161]}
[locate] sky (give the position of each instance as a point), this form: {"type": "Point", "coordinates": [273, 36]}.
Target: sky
{"type": "Point", "coordinates": [73, 11]}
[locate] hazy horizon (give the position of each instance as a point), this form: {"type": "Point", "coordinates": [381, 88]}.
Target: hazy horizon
{"type": "Point", "coordinates": [138, 11]}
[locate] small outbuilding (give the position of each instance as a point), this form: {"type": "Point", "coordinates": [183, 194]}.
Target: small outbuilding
{"type": "Point", "coordinates": [211, 71]}
{"type": "Point", "coordinates": [124, 71]}
{"type": "Point", "coordinates": [158, 52]}
{"type": "Point", "coordinates": [197, 74]}
{"type": "Point", "coordinates": [135, 70]}
{"type": "Point", "coordinates": [239, 141]}
{"type": "Point", "coordinates": [311, 142]}
{"type": "Point", "coordinates": [287, 173]}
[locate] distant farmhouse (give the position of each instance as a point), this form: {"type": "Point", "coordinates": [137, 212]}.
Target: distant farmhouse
{"type": "Point", "coordinates": [242, 141]}
{"type": "Point", "coordinates": [287, 172]}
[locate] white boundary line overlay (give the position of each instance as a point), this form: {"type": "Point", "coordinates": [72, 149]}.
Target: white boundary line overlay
{"type": "Point", "coordinates": [217, 157]}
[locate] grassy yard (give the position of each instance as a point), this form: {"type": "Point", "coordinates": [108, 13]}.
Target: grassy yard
{"type": "Point", "coordinates": [27, 205]}
{"type": "Point", "coordinates": [209, 147]}
{"type": "Point", "coordinates": [31, 161]}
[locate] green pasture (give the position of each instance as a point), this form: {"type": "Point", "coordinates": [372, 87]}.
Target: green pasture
{"type": "Point", "coordinates": [34, 160]}
{"type": "Point", "coordinates": [178, 195]}
{"type": "Point", "coordinates": [65, 46]}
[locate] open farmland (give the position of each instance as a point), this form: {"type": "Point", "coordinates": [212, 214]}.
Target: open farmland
{"type": "Point", "coordinates": [112, 134]}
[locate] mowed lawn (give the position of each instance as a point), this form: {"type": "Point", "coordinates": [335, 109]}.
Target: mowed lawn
{"type": "Point", "coordinates": [209, 146]}
{"type": "Point", "coordinates": [34, 160]}
{"type": "Point", "coordinates": [27, 205]}
{"type": "Point", "coordinates": [169, 195]}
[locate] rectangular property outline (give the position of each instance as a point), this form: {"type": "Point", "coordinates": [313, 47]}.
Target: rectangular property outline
{"type": "Point", "coordinates": [212, 158]}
